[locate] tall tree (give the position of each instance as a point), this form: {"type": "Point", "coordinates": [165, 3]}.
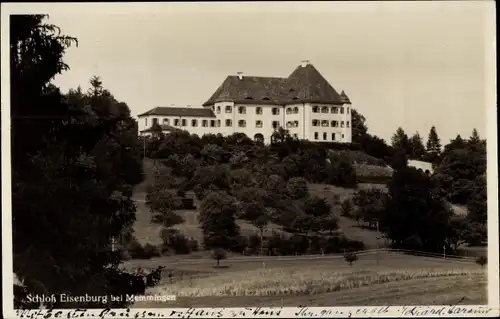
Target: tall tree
{"type": "Point", "coordinates": [400, 141]}
{"type": "Point", "coordinates": [433, 146]}
{"type": "Point", "coordinates": [474, 138]}
{"type": "Point", "coordinates": [417, 148]}
{"type": "Point", "coordinates": [358, 128]}
{"type": "Point", "coordinates": [72, 174]}
{"type": "Point", "coordinates": [414, 218]}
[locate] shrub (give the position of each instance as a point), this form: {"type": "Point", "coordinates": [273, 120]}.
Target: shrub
{"type": "Point", "coordinates": [350, 257]}
{"type": "Point", "coordinates": [151, 251]}
{"type": "Point", "coordinates": [238, 244]}
{"type": "Point", "coordinates": [218, 254]}
{"type": "Point", "coordinates": [135, 249]}
{"type": "Point", "coordinates": [193, 244]}
{"type": "Point", "coordinates": [174, 241]}
{"type": "Point", "coordinates": [481, 261]}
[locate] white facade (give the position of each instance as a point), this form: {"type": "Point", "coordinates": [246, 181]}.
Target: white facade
{"type": "Point", "coordinates": [313, 122]}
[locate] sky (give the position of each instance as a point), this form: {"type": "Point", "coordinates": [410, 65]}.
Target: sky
{"type": "Point", "coordinates": [413, 65]}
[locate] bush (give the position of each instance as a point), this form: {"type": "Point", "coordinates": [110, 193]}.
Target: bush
{"type": "Point", "coordinates": [174, 242]}
{"type": "Point", "coordinates": [350, 257]}
{"type": "Point", "coordinates": [193, 244]}
{"type": "Point", "coordinates": [151, 251]}
{"type": "Point", "coordinates": [338, 244]}
{"type": "Point", "coordinates": [238, 244]}
{"type": "Point", "coordinates": [481, 261]}
{"type": "Point", "coordinates": [218, 254]}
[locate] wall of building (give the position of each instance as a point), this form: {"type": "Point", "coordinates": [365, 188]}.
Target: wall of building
{"type": "Point", "coordinates": [325, 126]}
{"type": "Point", "coordinates": [297, 118]}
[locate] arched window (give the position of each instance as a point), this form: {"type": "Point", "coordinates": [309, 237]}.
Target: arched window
{"type": "Point", "coordinates": [324, 109]}
{"type": "Point", "coordinates": [315, 122]}
{"type": "Point", "coordinates": [229, 109]}
{"type": "Point", "coordinates": [275, 111]}
{"type": "Point", "coordinates": [289, 110]}
{"type": "Point", "coordinates": [295, 110]}
{"type": "Point", "coordinates": [315, 109]}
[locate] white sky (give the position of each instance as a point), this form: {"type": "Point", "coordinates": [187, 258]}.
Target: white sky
{"type": "Point", "coordinates": [413, 64]}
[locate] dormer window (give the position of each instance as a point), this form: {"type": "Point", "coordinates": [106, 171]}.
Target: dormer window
{"type": "Point", "coordinates": [291, 90]}
{"type": "Point", "coordinates": [249, 98]}
{"type": "Point", "coordinates": [295, 98]}
{"type": "Point", "coordinates": [266, 99]}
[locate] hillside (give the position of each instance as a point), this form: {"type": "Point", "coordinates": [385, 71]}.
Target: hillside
{"type": "Point", "coordinates": [147, 232]}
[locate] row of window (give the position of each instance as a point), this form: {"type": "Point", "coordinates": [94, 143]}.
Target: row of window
{"type": "Point", "coordinates": [325, 136]}
{"type": "Point", "coordinates": [242, 123]}
{"type": "Point", "coordinates": [289, 110]}
{"type": "Point", "coordinates": [326, 123]}
{"type": "Point", "coordinates": [332, 109]}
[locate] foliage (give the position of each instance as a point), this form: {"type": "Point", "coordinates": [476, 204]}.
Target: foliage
{"type": "Point", "coordinates": [400, 141]}
{"type": "Point", "coordinates": [461, 175]}
{"type": "Point", "coordinates": [415, 218]}
{"type": "Point", "coordinates": [72, 174]}
{"type": "Point", "coordinates": [416, 146]}
{"type": "Point", "coordinates": [433, 146]}
{"type": "Point", "coordinates": [350, 257]}
{"type": "Point", "coordinates": [297, 188]}
{"type": "Point", "coordinates": [218, 254]}
{"type": "Point", "coordinates": [359, 128]}
{"type": "Point", "coordinates": [370, 205]}
{"type": "Point", "coordinates": [217, 215]}
{"type": "Point", "coordinates": [341, 172]}
{"type": "Point", "coordinates": [175, 242]}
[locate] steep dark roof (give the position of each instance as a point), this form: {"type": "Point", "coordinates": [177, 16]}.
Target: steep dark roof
{"type": "Point", "coordinates": [164, 127]}
{"type": "Point", "coordinates": [179, 111]}
{"type": "Point", "coordinates": [305, 84]}
{"type": "Point", "coordinates": [345, 98]}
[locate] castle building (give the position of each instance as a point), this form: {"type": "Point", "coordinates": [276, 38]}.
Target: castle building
{"type": "Point", "coordinates": [304, 103]}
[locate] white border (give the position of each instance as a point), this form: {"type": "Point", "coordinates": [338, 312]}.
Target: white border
{"type": "Point", "coordinates": [120, 8]}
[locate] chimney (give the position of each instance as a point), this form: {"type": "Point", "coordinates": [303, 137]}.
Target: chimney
{"type": "Point", "coordinates": [304, 63]}
{"type": "Point", "coordinates": [240, 75]}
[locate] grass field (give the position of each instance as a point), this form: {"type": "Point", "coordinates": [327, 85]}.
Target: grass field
{"type": "Point", "coordinates": [373, 280]}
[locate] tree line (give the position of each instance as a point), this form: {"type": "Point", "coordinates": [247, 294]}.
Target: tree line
{"type": "Point", "coordinates": [75, 158]}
